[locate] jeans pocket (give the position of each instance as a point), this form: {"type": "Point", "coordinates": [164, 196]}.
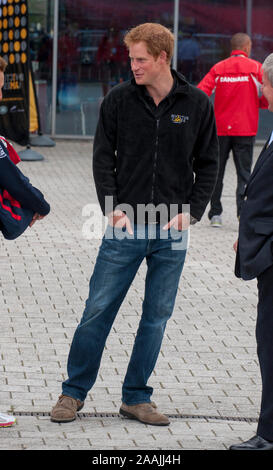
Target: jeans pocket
{"type": "Point", "coordinates": [179, 238]}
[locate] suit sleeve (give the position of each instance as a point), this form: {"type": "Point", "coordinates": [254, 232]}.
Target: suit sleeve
{"type": "Point", "coordinates": [104, 154]}
{"type": "Point", "coordinates": [19, 187]}
{"type": "Point", "coordinates": [205, 164]}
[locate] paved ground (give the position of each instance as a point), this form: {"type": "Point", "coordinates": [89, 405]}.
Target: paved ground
{"type": "Point", "coordinates": [207, 377]}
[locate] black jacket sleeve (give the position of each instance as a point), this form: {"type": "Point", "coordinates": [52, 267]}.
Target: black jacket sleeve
{"type": "Point", "coordinates": [206, 161]}
{"type": "Point", "coordinates": [19, 187]}
{"type": "Point", "coordinates": [104, 154]}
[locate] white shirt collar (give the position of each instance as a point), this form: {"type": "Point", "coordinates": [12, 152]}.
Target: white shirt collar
{"type": "Point", "coordinates": [270, 139]}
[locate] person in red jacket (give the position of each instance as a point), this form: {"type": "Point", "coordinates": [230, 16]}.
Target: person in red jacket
{"type": "Point", "coordinates": [236, 82]}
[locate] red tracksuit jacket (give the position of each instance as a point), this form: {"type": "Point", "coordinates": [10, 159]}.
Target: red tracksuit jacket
{"type": "Point", "coordinates": [237, 85]}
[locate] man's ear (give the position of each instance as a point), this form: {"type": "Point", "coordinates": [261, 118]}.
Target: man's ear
{"type": "Point", "coordinates": [163, 56]}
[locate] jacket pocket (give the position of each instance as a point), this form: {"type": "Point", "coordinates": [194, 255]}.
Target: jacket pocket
{"type": "Point", "coordinates": [264, 226]}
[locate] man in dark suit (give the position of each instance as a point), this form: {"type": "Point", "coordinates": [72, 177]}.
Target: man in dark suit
{"type": "Point", "coordinates": [254, 259]}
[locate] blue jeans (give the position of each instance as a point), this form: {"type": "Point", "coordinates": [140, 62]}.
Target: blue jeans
{"type": "Point", "coordinates": [116, 266]}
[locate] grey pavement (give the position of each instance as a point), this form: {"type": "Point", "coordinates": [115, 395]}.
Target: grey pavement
{"type": "Point", "coordinates": [207, 376]}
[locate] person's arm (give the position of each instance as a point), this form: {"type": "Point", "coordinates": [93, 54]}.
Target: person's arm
{"type": "Point", "coordinates": [208, 83]}
{"type": "Point", "coordinates": [205, 164]}
{"type": "Point", "coordinates": [19, 187]}
{"type": "Point", "coordinates": [263, 103]}
{"type": "Point", "coordinates": [104, 163]}
{"type": "Point", "coordinates": [205, 168]}
{"type": "Point", "coordinates": [104, 153]}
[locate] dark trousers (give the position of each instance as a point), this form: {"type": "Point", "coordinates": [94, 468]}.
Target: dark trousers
{"type": "Point", "coordinates": [242, 149]}
{"type": "Point", "coordinates": [264, 336]}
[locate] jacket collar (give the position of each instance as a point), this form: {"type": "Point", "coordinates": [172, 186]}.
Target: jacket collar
{"type": "Point", "coordinates": [266, 151]}
{"type": "Point", "coordinates": [182, 85]}
{"type": "Point", "coordinates": [238, 52]}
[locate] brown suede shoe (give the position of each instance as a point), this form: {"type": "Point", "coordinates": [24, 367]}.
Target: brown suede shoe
{"type": "Point", "coordinates": [145, 413]}
{"type": "Point", "coordinates": [65, 409]}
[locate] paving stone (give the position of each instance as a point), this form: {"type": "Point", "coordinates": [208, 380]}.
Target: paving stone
{"type": "Point", "coordinates": [207, 366]}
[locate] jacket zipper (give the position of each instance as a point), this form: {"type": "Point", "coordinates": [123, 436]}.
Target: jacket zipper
{"type": "Point", "coordinates": [156, 151]}
{"type": "Point", "coordinates": [155, 161]}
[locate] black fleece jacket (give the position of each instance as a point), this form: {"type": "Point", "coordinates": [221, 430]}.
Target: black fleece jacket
{"type": "Point", "coordinates": [144, 157]}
